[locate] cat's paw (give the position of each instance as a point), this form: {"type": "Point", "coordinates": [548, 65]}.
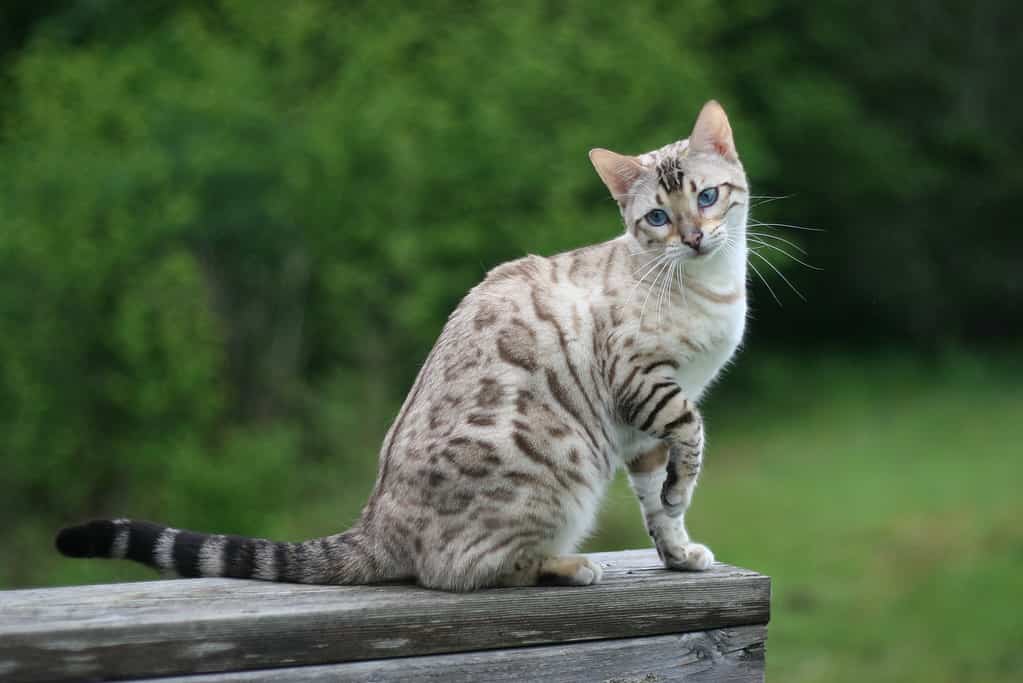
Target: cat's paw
{"type": "Point", "coordinates": [571, 570]}
{"type": "Point", "coordinates": [588, 573]}
{"type": "Point", "coordinates": [693, 557]}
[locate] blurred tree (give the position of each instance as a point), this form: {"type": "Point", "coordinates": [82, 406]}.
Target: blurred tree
{"type": "Point", "coordinates": [896, 128]}
{"type": "Point", "coordinates": [231, 230]}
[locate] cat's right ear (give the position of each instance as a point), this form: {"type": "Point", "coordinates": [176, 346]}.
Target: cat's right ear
{"type": "Point", "coordinates": [617, 171]}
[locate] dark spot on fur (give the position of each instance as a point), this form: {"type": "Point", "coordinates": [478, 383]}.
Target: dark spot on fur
{"type": "Point", "coordinates": [518, 348]}
{"type": "Point", "coordinates": [485, 317]}
{"type": "Point", "coordinates": [490, 393]}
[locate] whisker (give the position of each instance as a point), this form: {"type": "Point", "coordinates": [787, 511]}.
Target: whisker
{"type": "Point", "coordinates": [635, 287]}
{"type": "Point", "coordinates": [664, 284]}
{"type": "Point", "coordinates": [781, 275]}
{"type": "Point", "coordinates": [653, 286]}
{"type": "Point", "coordinates": [767, 199]}
{"type": "Point", "coordinates": [769, 288]}
{"type": "Point", "coordinates": [665, 289]}
{"type": "Point", "coordinates": [758, 224]}
{"type": "Point", "coordinates": [645, 251]}
{"type": "Point", "coordinates": [660, 299]}
{"type": "Point", "coordinates": [657, 263]}
{"type": "Point", "coordinates": [768, 235]}
{"type": "Point", "coordinates": [779, 249]}
{"type": "Point", "coordinates": [681, 273]}
{"type": "Point", "coordinates": [654, 261]}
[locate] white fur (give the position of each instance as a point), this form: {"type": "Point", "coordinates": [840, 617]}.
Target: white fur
{"type": "Point", "coordinates": [163, 552]}
{"type": "Point", "coordinates": [119, 546]}
{"type": "Point", "coordinates": [211, 556]}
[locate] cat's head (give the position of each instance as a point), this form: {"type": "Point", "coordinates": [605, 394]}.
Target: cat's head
{"type": "Point", "coordinates": [689, 197]}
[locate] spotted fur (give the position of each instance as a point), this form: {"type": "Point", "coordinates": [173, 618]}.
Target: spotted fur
{"type": "Point", "coordinates": [550, 375]}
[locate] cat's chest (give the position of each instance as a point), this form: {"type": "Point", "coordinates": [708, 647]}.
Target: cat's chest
{"type": "Point", "coordinates": [704, 342]}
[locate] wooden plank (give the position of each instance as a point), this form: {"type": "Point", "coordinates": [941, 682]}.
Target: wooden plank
{"type": "Point", "coordinates": [734, 655]}
{"type": "Point", "coordinates": [206, 625]}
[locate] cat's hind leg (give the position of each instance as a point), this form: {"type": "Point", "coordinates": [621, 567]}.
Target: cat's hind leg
{"type": "Point", "coordinates": [564, 570]}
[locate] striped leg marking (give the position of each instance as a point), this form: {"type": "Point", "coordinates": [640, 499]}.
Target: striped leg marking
{"type": "Point", "coordinates": [647, 474]}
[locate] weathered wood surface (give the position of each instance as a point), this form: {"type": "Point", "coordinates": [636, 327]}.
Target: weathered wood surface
{"type": "Point", "coordinates": [734, 655]}
{"type": "Point", "coordinates": [162, 628]}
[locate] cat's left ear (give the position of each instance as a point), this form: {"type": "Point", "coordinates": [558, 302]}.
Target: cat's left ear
{"type": "Point", "coordinates": [617, 171]}
{"type": "Point", "coordinates": [712, 133]}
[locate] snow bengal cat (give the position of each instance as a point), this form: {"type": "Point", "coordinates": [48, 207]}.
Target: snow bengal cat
{"type": "Point", "coordinates": [550, 374]}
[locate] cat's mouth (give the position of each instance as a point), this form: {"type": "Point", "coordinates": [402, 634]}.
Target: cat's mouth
{"type": "Point", "coordinates": [688, 252]}
{"type": "Point", "coordinates": [694, 244]}
{"type": "Point", "coordinates": [685, 252]}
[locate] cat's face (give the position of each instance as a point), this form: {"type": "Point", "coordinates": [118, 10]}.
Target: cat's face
{"type": "Point", "coordinates": [689, 198]}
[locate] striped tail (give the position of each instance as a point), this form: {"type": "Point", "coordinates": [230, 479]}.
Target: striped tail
{"type": "Point", "coordinates": [344, 558]}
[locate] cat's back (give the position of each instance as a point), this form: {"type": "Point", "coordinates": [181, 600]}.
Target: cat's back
{"type": "Point", "coordinates": [488, 354]}
{"type": "Point", "coordinates": [527, 326]}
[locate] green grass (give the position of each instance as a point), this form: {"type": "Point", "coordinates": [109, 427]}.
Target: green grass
{"type": "Point", "coordinates": [883, 499]}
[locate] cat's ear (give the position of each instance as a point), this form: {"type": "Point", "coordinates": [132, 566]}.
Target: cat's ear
{"type": "Point", "coordinates": [617, 171]}
{"type": "Point", "coordinates": [712, 133]}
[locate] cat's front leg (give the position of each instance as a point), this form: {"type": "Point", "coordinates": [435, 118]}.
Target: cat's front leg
{"type": "Point", "coordinates": [647, 474]}
{"type": "Point", "coordinates": [685, 460]}
{"type": "Point", "coordinates": [665, 477]}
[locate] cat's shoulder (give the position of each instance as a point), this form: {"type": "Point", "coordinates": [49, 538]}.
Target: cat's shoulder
{"type": "Point", "coordinates": [527, 269]}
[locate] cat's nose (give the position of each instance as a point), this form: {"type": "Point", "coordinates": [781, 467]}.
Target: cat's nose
{"type": "Point", "coordinates": [693, 239]}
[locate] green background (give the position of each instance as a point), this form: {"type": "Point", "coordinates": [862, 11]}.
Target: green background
{"type": "Point", "coordinates": [231, 231]}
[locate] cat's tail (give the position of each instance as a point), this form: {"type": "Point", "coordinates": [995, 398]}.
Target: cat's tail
{"type": "Point", "coordinates": [345, 558]}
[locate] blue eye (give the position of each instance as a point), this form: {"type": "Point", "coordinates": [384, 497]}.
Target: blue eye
{"type": "Point", "coordinates": [657, 217]}
{"type": "Point", "coordinates": [707, 197]}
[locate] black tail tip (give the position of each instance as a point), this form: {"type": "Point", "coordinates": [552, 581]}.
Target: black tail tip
{"type": "Point", "coordinates": [76, 541]}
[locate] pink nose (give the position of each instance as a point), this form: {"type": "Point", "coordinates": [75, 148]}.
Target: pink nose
{"type": "Point", "coordinates": [693, 239]}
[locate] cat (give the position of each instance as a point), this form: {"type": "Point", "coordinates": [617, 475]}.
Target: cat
{"type": "Point", "coordinates": [549, 375]}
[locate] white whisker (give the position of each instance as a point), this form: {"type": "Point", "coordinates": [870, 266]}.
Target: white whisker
{"type": "Point", "coordinates": [656, 262]}
{"type": "Point", "coordinates": [759, 224]}
{"type": "Point", "coordinates": [678, 278]}
{"type": "Point", "coordinates": [665, 292]}
{"type": "Point", "coordinates": [781, 275]}
{"type": "Point", "coordinates": [645, 251]}
{"type": "Point", "coordinates": [653, 286]}
{"type": "Point", "coordinates": [649, 265]}
{"type": "Point", "coordinates": [769, 288]}
{"type": "Point", "coordinates": [768, 235]}
{"type": "Point", "coordinates": [767, 199]}
{"type": "Point", "coordinates": [779, 249]}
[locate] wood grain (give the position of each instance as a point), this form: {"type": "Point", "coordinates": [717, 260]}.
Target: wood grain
{"type": "Point", "coordinates": [733, 655]}
{"type": "Point", "coordinates": [162, 628]}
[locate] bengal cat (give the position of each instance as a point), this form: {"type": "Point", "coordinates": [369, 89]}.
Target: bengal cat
{"type": "Point", "coordinates": [550, 374]}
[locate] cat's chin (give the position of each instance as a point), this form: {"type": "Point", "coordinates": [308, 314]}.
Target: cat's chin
{"type": "Point", "coordinates": [703, 254]}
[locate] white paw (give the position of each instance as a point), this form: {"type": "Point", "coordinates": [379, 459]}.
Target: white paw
{"type": "Point", "coordinates": [588, 573]}
{"type": "Point", "coordinates": [694, 557]}
{"type": "Point", "coordinates": [570, 570]}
